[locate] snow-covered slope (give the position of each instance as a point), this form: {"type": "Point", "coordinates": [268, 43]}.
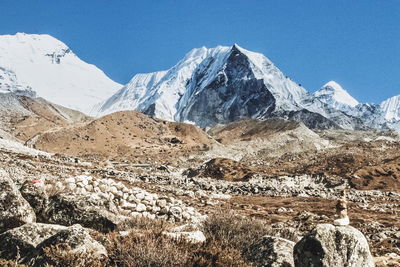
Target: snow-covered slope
{"type": "Point", "coordinates": [39, 63]}
{"type": "Point", "coordinates": [209, 86]}
{"type": "Point", "coordinates": [335, 96]}
{"type": "Point", "coordinates": [391, 108]}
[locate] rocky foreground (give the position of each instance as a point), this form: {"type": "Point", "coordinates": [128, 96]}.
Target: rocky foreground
{"type": "Point", "coordinates": [54, 208]}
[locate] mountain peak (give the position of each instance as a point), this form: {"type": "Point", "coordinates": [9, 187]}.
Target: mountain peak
{"type": "Point", "coordinates": [391, 108]}
{"type": "Point", "coordinates": [333, 92]}
{"type": "Point", "coordinates": [41, 63]}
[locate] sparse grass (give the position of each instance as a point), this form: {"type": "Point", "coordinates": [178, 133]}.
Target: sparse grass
{"type": "Point", "coordinates": [61, 256]}
{"type": "Point", "coordinates": [9, 263]}
{"type": "Point", "coordinates": [227, 235]}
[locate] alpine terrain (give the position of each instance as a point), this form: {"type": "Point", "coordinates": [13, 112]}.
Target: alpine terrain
{"type": "Point", "coordinates": [222, 160]}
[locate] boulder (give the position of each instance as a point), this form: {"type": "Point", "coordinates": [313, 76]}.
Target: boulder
{"type": "Point", "coordinates": [88, 210]}
{"type": "Point", "coordinates": [36, 195]}
{"type": "Point", "coordinates": [30, 244]}
{"type": "Point", "coordinates": [75, 243]}
{"type": "Point", "coordinates": [329, 245]}
{"type": "Point", "coordinates": [271, 251]}
{"type": "Point", "coordinates": [22, 241]}
{"type": "Point", "coordinates": [193, 237]}
{"type": "Point", "coordinates": [187, 232]}
{"type": "Point", "coordinates": [14, 209]}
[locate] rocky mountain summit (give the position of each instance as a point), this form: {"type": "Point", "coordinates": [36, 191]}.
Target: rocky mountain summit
{"type": "Point", "coordinates": [219, 85]}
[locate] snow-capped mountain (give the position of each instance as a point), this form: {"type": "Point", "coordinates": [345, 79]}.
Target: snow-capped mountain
{"type": "Point", "coordinates": [335, 96]}
{"type": "Point", "coordinates": [210, 86]}
{"type": "Point", "coordinates": [391, 108]}
{"type": "Point", "coordinates": [223, 84]}
{"type": "Point", "coordinates": [41, 64]}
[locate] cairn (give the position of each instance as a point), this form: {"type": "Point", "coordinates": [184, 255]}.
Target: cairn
{"type": "Point", "coordinates": [341, 211]}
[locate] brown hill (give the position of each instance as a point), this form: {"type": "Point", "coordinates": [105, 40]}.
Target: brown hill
{"type": "Point", "coordinates": [127, 135]}
{"type": "Point", "coordinates": [24, 117]}
{"type": "Point", "coordinates": [250, 129]}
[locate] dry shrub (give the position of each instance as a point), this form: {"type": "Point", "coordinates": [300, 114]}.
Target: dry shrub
{"type": "Point", "coordinates": [9, 263]}
{"type": "Point", "coordinates": [232, 231]}
{"type": "Point", "coordinates": [213, 255]}
{"type": "Point", "coordinates": [60, 255]}
{"type": "Point", "coordinates": [147, 249]}
{"type": "Point", "coordinates": [228, 236]}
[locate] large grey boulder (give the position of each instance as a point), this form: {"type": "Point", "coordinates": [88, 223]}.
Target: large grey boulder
{"type": "Point", "coordinates": [39, 244]}
{"type": "Point", "coordinates": [22, 241]}
{"type": "Point", "coordinates": [76, 245]}
{"type": "Point", "coordinates": [88, 210]}
{"type": "Point", "coordinates": [36, 195]}
{"type": "Point", "coordinates": [14, 209]}
{"type": "Point", "coordinates": [329, 245]}
{"type": "Point", "coordinates": [271, 251]}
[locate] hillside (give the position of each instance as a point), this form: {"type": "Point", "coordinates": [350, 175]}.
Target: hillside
{"type": "Point", "coordinates": [130, 135]}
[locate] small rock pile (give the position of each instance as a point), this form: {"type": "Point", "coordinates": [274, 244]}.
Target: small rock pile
{"type": "Point", "coordinates": [131, 201]}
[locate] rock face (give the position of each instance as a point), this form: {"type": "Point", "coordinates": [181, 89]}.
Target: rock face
{"type": "Point", "coordinates": [23, 240]}
{"type": "Point", "coordinates": [28, 244]}
{"type": "Point", "coordinates": [271, 251]}
{"type": "Point", "coordinates": [76, 240]}
{"type": "Point", "coordinates": [88, 210]}
{"type": "Point", "coordinates": [36, 196]}
{"type": "Point", "coordinates": [328, 245]}
{"type": "Point", "coordinates": [14, 209]}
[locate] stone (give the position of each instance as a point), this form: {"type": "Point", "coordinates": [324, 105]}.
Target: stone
{"type": "Point", "coordinates": [341, 212]}
{"type": "Point", "coordinates": [187, 232]}
{"type": "Point", "coordinates": [140, 196]}
{"type": "Point", "coordinates": [36, 196]}
{"type": "Point", "coordinates": [161, 203]}
{"type": "Point", "coordinates": [89, 210]}
{"type": "Point", "coordinates": [77, 241]}
{"type": "Point", "coordinates": [194, 237]}
{"type": "Point", "coordinates": [22, 241]}
{"type": "Point", "coordinates": [175, 211]}
{"type": "Point", "coordinates": [14, 209]}
{"type": "Point", "coordinates": [329, 245]}
{"type": "Point", "coordinates": [70, 180]}
{"type": "Point", "coordinates": [140, 207]}
{"type": "Point", "coordinates": [271, 251]}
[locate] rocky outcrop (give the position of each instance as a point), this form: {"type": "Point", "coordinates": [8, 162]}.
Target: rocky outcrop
{"type": "Point", "coordinates": [35, 193]}
{"type": "Point", "coordinates": [35, 244]}
{"type": "Point", "coordinates": [22, 241]}
{"type": "Point", "coordinates": [187, 232]}
{"type": "Point", "coordinates": [329, 245]}
{"type": "Point", "coordinates": [75, 240]}
{"type": "Point", "coordinates": [271, 251]}
{"type": "Point", "coordinates": [221, 169]}
{"type": "Point", "coordinates": [14, 209]}
{"type": "Point", "coordinates": [88, 210]}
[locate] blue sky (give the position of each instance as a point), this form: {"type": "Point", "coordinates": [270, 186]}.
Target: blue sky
{"type": "Point", "coordinates": [356, 43]}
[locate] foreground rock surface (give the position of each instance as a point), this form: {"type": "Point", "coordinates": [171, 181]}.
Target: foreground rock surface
{"type": "Point", "coordinates": [328, 245]}
{"type": "Point", "coordinates": [14, 209]}
{"type": "Point", "coordinates": [91, 212]}
{"type": "Point", "coordinates": [23, 240]}
{"type": "Point", "coordinates": [31, 244]}
{"type": "Point", "coordinates": [271, 251]}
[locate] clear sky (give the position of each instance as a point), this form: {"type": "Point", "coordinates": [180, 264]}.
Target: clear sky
{"type": "Point", "coordinates": [354, 42]}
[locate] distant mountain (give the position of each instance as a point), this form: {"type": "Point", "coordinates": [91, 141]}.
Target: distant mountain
{"type": "Point", "coordinates": [391, 108]}
{"type": "Point", "coordinates": [335, 96]}
{"type": "Point", "coordinates": [219, 85]}
{"type": "Point", "coordinates": [38, 64]}
{"type": "Point", "coordinates": [210, 86]}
